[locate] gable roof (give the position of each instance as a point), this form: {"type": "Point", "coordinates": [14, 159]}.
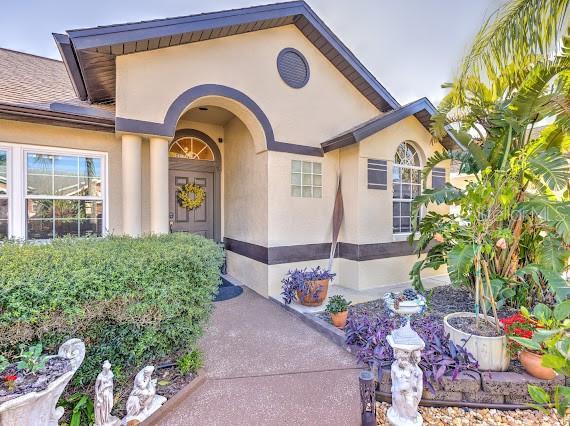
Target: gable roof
{"type": "Point", "coordinates": [34, 85]}
{"type": "Point", "coordinates": [422, 109]}
{"type": "Point", "coordinates": [89, 54]}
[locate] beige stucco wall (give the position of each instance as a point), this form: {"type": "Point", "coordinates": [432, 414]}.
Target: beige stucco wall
{"type": "Point", "coordinates": [148, 83]}
{"type": "Point", "coordinates": [63, 137]}
{"type": "Point", "coordinates": [245, 182]}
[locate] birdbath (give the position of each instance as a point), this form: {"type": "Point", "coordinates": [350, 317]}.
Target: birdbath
{"type": "Point", "coordinates": [405, 304]}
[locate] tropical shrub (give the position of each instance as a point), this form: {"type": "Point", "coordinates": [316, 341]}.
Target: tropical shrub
{"type": "Point", "coordinates": [130, 300]}
{"type": "Point", "coordinates": [297, 281]}
{"type": "Point", "coordinates": [440, 357]}
{"type": "Point", "coordinates": [514, 220]}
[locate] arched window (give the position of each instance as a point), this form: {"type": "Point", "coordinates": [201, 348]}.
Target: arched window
{"type": "Point", "coordinates": [191, 148]}
{"type": "Point", "coordinates": [407, 184]}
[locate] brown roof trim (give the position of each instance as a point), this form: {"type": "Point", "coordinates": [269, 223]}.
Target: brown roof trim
{"type": "Point", "coordinates": [95, 49]}
{"type": "Point", "coordinates": [71, 64]}
{"type": "Point", "coordinates": [422, 109]}
{"type": "Point", "coordinates": [55, 118]}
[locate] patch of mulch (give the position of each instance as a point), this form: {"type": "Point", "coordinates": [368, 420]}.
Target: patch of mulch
{"type": "Point", "coordinates": [25, 383]}
{"type": "Point", "coordinates": [469, 325]}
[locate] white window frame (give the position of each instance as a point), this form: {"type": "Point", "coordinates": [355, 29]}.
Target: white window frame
{"type": "Point", "coordinates": [9, 185]}
{"type": "Point", "coordinates": [401, 236]}
{"type": "Point", "coordinates": [17, 190]}
{"type": "Point", "coordinates": [302, 185]}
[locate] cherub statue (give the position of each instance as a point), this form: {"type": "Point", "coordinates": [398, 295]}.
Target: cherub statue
{"type": "Point", "coordinates": [143, 400]}
{"type": "Point", "coordinates": [407, 385]}
{"type": "Point", "coordinates": [104, 398]}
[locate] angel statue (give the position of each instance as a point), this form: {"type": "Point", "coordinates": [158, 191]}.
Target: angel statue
{"type": "Point", "coordinates": [104, 398]}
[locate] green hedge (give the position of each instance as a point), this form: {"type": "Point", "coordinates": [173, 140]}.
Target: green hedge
{"type": "Point", "coordinates": [130, 300]}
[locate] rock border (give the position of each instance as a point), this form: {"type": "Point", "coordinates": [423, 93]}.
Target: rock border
{"type": "Point", "coordinates": [499, 390]}
{"type": "Point", "coordinates": [170, 405]}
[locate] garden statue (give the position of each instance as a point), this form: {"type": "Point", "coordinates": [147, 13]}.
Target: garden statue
{"type": "Point", "coordinates": [104, 398]}
{"type": "Point", "coordinates": [407, 377]}
{"type": "Point", "coordinates": [143, 400]}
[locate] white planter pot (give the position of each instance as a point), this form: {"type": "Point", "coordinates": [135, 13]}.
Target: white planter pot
{"type": "Point", "coordinates": [490, 352]}
{"type": "Point", "coordinates": [39, 408]}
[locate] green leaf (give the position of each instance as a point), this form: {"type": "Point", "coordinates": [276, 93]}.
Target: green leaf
{"type": "Point", "coordinates": [556, 214]}
{"type": "Point", "coordinates": [562, 310]}
{"type": "Point", "coordinates": [542, 312]}
{"type": "Point", "coordinates": [527, 343]}
{"type": "Point", "coordinates": [538, 394]}
{"type": "Point", "coordinates": [460, 261]}
{"type": "Point", "coordinates": [553, 361]}
{"type": "Point", "coordinates": [75, 419]}
{"type": "Point", "coordinates": [552, 167]}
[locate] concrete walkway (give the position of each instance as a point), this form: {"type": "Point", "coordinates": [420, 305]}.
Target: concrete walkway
{"type": "Point", "coordinates": [264, 366]}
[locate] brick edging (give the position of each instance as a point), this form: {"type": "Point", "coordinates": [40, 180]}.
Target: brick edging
{"type": "Point", "coordinates": [173, 402]}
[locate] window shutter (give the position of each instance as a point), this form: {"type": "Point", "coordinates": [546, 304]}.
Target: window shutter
{"type": "Point", "coordinates": [438, 177]}
{"type": "Point", "coordinates": [377, 174]}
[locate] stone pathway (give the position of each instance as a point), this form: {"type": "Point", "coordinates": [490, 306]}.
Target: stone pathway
{"type": "Point", "coordinates": [264, 366]}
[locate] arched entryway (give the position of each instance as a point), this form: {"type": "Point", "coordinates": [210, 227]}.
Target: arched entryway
{"type": "Point", "coordinates": [195, 158]}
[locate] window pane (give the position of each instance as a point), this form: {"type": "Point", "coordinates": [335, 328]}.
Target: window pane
{"type": "Point", "coordinates": [91, 209]}
{"type": "Point", "coordinates": [66, 227]}
{"type": "Point", "coordinates": [40, 184]}
{"type": "Point", "coordinates": [317, 180]}
{"type": "Point", "coordinates": [307, 179]}
{"type": "Point", "coordinates": [397, 190]}
{"type": "Point", "coordinates": [65, 165]}
{"type": "Point", "coordinates": [406, 191]}
{"type": "Point", "coordinates": [40, 209]}
{"type": "Point", "coordinates": [416, 190]}
{"type": "Point", "coordinates": [3, 218]}
{"type": "Point", "coordinates": [416, 176]}
{"type": "Point", "coordinates": [296, 166]}
{"type": "Point", "coordinates": [396, 224]}
{"type": "Point", "coordinates": [317, 168]}
{"type": "Point", "coordinates": [3, 173]}
{"type": "Point", "coordinates": [317, 192]}
{"type": "Point", "coordinates": [396, 174]}
{"type": "Point", "coordinates": [40, 229]}
{"type": "Point", "coordinates": [307, 191]}
{"type": "Point", "coordinates": [89, 167]}
{"type": "Point", "coordinates": [91, 227]}
{"type": "Point", "coordinates": [65, 185]}
{"type": "Point", "coordinates": [405, 224]}
{"type": "Point", "coordinates": [307, 167]}
{"type": "Point", "coordinates": [396, 209]}
{"type": "Point", "coordinates": [66, 209]}
{"type": "Point", "coordinates": [296, 191]}
{"type": "Point", "coordinates": [296, 178]}
{"type": "Point", "coordinates": [89, 187]}
{"type": "Point", "coordinates": [40, 164]}
{"type": "Point", "coordinates": [405, 209]}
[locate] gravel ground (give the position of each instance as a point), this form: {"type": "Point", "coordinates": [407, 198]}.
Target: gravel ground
{"type": "Point", "coordinates": [453, 416]}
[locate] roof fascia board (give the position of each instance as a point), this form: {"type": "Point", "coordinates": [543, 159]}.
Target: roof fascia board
{"type": "Point", "coordinates": [127, 33]}
{"type": "Point", "coordinates": [327, 33]}
{"type": "Point", "coordinates": [67, 53]}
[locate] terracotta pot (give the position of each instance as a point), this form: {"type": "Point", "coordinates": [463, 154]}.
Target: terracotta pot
{"type": "Point", "coordinates": [339, 319]}
{"type": "Point", "coordinates": [532, 363]}
{"type": "Point", "coordinates": [317, 293]}
{"type": "Point", "coordinates": [490, 352]}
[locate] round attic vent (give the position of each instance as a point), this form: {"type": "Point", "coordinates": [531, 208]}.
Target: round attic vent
{"type": "Point", "coordinates": [293, 68]}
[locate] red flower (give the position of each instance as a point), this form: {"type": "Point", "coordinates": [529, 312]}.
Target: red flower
{"type": "Point", "coordinates": [10, 378]}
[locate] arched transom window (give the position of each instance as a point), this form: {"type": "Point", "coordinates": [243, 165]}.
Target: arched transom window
{"type": "Point", "coordinates": [407, 184]}
{"type": "Point", "coordinates": [191, 148]}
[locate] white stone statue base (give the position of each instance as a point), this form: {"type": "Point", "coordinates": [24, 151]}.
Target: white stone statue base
{"type": "Point", "coordinates": [396, 420]}
{"type": "Point", "coordinates": [113, 421]}
{"type": "Point", "coordinates": [156, 403]}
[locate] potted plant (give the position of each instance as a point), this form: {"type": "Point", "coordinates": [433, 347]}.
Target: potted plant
{"type": "Point", "coordinates": [31, 387]}
{"type": "Point", "coordinates": [307, 286]}
{"type": "Point", "coordinates": [338, 309]}
{"type": "Point", "coordinates": [534, 341]}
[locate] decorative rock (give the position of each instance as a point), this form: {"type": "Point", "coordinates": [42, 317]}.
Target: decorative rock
{"type": "Point", "coordinates": [104, 398]}
{"type": "Point", "coordinates": [143, 400]}
{"type": "Point", "coordinates": [407, 377]}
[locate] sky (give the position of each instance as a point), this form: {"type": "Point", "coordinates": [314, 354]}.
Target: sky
{"type": "Point", "coordinates": [411, 46]}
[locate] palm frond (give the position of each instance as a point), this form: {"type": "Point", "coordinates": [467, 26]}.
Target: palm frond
{"type": "Point", "coordinates": [552, 168]}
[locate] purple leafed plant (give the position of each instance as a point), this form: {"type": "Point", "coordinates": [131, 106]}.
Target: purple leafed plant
{"type": "Point", "coordinates": [297, 281]}
{"type": "Point", "coordinates": [367, 333]}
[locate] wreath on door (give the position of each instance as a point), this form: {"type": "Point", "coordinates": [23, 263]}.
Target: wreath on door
{"type": "Point", "coordinates": [185, 198]}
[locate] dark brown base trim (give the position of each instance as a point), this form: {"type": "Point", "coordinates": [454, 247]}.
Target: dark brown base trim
{"type": "Point", "coordinates": [303, 252]}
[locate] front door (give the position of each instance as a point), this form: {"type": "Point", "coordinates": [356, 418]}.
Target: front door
{"type": "Point", "coordinates": [199, 220]}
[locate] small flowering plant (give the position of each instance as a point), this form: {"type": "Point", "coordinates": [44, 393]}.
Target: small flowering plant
{"type": "Point", "coordinates": [10, 381]}
{"type": "Point", "coordinates": [517, 325]}
{"type": "Point", "coordinates": [297, 281]}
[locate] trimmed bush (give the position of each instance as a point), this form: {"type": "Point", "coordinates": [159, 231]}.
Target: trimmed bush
{"type": "Point", "coordinates": [131, 300]}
